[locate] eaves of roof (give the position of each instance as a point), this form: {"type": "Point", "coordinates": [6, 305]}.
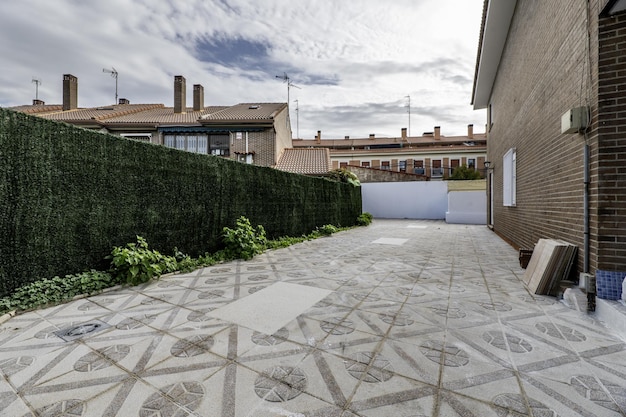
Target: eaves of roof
{"type": "Point", "coordinates": [497, 16]}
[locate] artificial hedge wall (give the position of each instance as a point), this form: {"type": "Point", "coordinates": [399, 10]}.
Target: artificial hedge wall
{"type": "Point", "coordinates": [69, 195]}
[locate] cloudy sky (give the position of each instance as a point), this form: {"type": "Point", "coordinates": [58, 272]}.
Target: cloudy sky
{"type": "Point", "coordinates": [352, 63]}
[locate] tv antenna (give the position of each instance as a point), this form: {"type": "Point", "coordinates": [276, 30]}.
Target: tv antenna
{"type": "Point", "coordinates": [286, 79]}
{"type": "Point", "coordinates": [37, 83]}
{"type": "Point", "coordinates": [409, 106]}
{"type": "Point", "coordinates": [297, 119]}
{"type": "Point", "coordinates": [113, 73]}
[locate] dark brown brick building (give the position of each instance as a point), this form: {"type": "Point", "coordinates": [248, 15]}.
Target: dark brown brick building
{"type": "Point", "coordinates": [536, 61]}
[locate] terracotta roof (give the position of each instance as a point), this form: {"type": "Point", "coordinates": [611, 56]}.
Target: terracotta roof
{"type": "Point", "coordinates": [95, 114]}
{"type": "Point", "coordinates": [245, 112]}
{"type": "Point", "coordinates": [305, 161]}
{"type": "Point", "coordinates": [157, 114]}
{"type": "Point", "coordinates": [38, 109]}
{"type": "Point", "coordinates": [165, 115]}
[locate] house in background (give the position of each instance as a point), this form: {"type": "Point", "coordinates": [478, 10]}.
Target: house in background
{"type": "Point", "coordinates": [551, 75]}
{"type": "Point", "coordinates": [432, 155]}
{"type": "Point", "coordinates": [255, 133]}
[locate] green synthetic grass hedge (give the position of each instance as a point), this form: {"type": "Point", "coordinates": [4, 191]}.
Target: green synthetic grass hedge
{"type": "Point", "coordinates": [68, 196]}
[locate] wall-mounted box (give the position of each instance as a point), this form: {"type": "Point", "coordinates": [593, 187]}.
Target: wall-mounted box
{"type": "Point", "coordinates": [575, 120]}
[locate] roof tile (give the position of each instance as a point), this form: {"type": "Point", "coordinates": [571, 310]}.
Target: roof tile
{"type": "Point", "coordinates": [305, 161]}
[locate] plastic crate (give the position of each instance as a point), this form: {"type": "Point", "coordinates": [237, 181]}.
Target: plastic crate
{"type": "Point", "coordinates": [609, 284]}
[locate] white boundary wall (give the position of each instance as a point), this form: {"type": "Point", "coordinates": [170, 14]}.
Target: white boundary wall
{"type": "Point", "coordinates": [424, 200]}
{"type": "Point", "coordinates": [406, 200]}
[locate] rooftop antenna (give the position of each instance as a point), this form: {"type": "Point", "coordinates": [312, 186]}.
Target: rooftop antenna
{"type": "Point", "coordinates": [297, 119]}
{"type": "Point", "coordinates": [37, 82]}
{"type": "Point", "coordinates": [409, 106]}
{"type": "Point", "coordinates": [113, 73]}
{"type": "Point", "coordinates": [286, 79]}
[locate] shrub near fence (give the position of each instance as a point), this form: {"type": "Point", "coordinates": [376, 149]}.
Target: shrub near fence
{"type": "Point", "coordinates": [68, 196]}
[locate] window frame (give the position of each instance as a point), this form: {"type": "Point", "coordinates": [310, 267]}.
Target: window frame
{"type": "Point", "coordinates": [509, 178]}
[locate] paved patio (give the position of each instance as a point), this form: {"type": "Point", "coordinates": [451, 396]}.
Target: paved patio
{"type": "Point", "coordinates": [401, 318]}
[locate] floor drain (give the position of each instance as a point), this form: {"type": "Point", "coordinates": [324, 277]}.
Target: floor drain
{"type": "Point", "coordinates": [76, 332]}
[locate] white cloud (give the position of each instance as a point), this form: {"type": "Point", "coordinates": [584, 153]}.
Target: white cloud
{"type": "Point", "coordinates": [354, 61]}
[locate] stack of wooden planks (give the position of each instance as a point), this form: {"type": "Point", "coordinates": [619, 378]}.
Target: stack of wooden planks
{"type": "Point", "coordinates": [550, 263]}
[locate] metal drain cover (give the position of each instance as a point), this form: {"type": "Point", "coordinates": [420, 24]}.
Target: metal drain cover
{"type": "Point", "coordinates": [76, 332]}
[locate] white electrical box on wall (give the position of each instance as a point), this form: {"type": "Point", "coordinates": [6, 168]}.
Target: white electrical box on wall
{"type": "Point", "coordinates": [575, 120]}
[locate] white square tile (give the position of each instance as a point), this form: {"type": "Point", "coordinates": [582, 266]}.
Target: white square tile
{"type": "Point", "coordinates": [390, 241]}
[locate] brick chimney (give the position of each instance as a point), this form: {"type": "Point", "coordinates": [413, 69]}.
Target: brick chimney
{"type": "Point", "coordinates": [470, 131]}
{"type": "Point", "coordinates": [318, 138]}
{"type": "Point", "coordinates": [372, 136]}
{"type": "Point", "coordinates": [198, 97]}
{"type": "Point", "coordinates": [37, 102]}
{"type": "Point", "coordinates": [180, 94]}
{"type": "Point", "coordinates": [347, 137]}
{"type": "Point", "coordinates": [437, 132]}
{"type": "Point", "coordinates": [124, 101]}
{"type": "Point", "coordinates": [404, 139]}
{"type": "Point", "coordinates": [70, 92]}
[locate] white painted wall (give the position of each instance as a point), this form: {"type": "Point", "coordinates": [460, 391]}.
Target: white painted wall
{"type": "Point", "coordinates": [406, 200]}
{"type": "Point", "coordinates": [467, 207]}
{"type": "Point", "coordinates": [424, 200]}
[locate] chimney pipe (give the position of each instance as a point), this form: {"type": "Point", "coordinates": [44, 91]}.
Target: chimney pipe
{"type": "Point", "coordinates": [124, 101]}
{"type": "Point", "coordinates": [180, 94]}
{"type": "Point", "coordinates": [198, 97]}
{"type": "Point", "coordinates": [70, 92]}
{"type": "Point", "coordinates": [470, 131]}
{"type": "Point", "coordinates": [347, 137]}
{"type": "Point", "coordinates": [404, 134]}
{"type": "Point", "coordinates": [372, 136]}
{"type": "Point", "coordinates": [318, 138]}
{"type": "Point", "coordinates": [37, 102]}
{"type": "Point", "coordinates": [437, 132]}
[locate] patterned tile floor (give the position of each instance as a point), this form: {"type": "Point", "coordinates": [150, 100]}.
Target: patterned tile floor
{"type": "Point", "coordinates": [421, 319]}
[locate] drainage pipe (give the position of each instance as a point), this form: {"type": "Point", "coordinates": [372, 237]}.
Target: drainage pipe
{"type": "Point", "coordinates": [586, 209]}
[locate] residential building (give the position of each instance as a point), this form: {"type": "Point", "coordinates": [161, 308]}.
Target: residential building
{"type": "Point", "coordinates": [248, 132]}
{"type": "Point", "coordinates": [551, 75]}
{"type": "Point", "coordinates": [432, 154]}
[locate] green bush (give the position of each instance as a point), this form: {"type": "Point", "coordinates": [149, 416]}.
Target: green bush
{"type": "Point", "coordinates": [464, 173]}
{"type": "Point", "coordinates": [364, 219]}
{"type": "Point", "coordinates": [244, 241]}
{"type": "Point", "coordinates": [135, 263]}
{"type": "Point", "coordinates": [56, 290]}
{"type": "Point", "coordinates": [345, 176]}
{"type": "Point", "coordinates": [327, 230]}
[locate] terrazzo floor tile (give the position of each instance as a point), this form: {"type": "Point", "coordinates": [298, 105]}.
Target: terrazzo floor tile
{"type": "Point", "coordinates": [432, 320]}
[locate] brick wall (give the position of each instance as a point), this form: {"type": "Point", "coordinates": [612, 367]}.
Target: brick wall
{"type": "Point", "coordinates": [366, 175]}
{"type": "Point", "coordinates": [546, 69]}
{"type": "Point", "coordinates": [262, 144]}
{"type": "Point", "coordinates": [610, 160]}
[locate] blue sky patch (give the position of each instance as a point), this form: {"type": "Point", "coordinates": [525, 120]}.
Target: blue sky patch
{"type": "Point", "coordinates": [235, 52]}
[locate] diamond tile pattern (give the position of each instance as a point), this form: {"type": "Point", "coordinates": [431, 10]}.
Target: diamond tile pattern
{"type": "Point", "coordinates": [440, 325]}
